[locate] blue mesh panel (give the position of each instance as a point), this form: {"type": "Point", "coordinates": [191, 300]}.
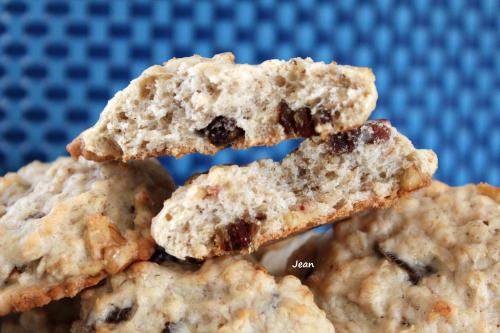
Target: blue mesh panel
{"type": "Point", "coordinates": [437, 65]}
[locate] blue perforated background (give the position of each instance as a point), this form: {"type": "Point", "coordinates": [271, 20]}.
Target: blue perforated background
{"type": "Point", "coordinates": [437, 65]}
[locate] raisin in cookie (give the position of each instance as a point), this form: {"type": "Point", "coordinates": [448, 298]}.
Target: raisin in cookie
{"type": "Point", "coordinates": [431, 263]}
{"type": "Point", "coordinates": [224, 295]}
{"type": "Point", "coordinates": [237, 209]}
{"type": "Point", "coordinates": [55, 317]}
{"type": "Point", "coordinates": [66, 225]}
{"type": "Point", "coordinates": [203, 105]}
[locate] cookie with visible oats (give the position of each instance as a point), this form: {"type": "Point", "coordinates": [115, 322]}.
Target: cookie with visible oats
{"type": "Point", "coordinates": [66, 225]}
{"type": "Point", "coordinates": [223, 295]}
{"type": "Point", "coordinates": [203, 105]}
{"type": "Point", "coordinates": [431, 263]}
{"type": "Point", "coordinates": [236, 209]}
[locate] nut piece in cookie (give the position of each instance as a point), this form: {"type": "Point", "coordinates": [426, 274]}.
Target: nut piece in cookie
{"type": "Point", "coordinates": [66, 225]}
{"type": "Point", "coordinates": [223, 295]}
{"type": "Point", "coordinates": [237, 209]}
{"type": "Point", "coordinates": [428, 264]}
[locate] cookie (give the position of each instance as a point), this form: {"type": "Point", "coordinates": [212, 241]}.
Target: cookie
{"type": "Point", "coordinates": [203, 105]}
{"type": "Point", "coordinates": [224, 295]}
{"type": "Point", "coordinates": [238, 208]}
{"type": "Point", "coordinates": [55, 317]}
{"type": "Point", "coordinates": [431, 263]}
{"type": "Point", "coordinates": [66, 225]}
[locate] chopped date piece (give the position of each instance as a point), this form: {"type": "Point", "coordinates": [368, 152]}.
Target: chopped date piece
{"type": "Point", "coordinates": [297, 122]}
{"type": "Point", "coordinates": [415, 274]}
{"type": "Point", "coordinates": [222, 131]}
{"type": "Point", "coordinates": [118, 315]}
{"type": "Point", "coordinates": [239, 235]}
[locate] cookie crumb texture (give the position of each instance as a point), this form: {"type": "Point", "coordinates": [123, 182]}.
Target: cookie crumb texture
{"type": "Point", "coordinates": [224, 295]}
{"type": "Point", "coordinates": [203, 105]}
{"type": "Point", "coordinates": [66, 225]}
{"type": "Point", "coordinates": [237, 209]}
{"type": "Point", "coordinates": [431, 263]}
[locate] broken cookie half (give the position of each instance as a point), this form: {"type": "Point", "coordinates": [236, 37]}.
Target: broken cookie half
{"type": "Point", "coordinates": [66, 225]}
{"type": "Point", "coordinates": [203, 105]}
{"type": "Point", "coordinates": [239, 208]}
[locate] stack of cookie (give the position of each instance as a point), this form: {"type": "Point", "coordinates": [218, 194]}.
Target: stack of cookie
{"type": "Point", "coordinates": [178, 260]}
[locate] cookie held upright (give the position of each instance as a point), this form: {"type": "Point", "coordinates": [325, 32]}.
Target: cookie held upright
{"type": "Point", "coordinates": [203, 105]}
{"type": "Point", "coordinates": [66, 225]}
{"type": "Point", "coordinates": [237, 209]}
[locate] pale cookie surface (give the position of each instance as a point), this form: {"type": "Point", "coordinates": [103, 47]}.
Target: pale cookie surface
{"type": "Point", "coordinates": [203, 105]}
{"type": "Point", "coordinates": [66, 225]}
{"type": "Point", "coordinates": [238, 208]}
{"type": "Point", "coordinates": [429, 264]}
{"type": "Point", "coordinates": [224, 295]}
{"type": "Point", "coordinates": [55, 317]}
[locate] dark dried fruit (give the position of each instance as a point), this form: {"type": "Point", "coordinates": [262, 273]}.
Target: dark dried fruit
{"type": "Point", "coordinates": [415, 274]}
{"type": "Point", "coordinates": [298, 122]}
{"type": "Point", "coordinates": [261, 216]}
{"type": "Point", "coordinates": [118, 315]}
{"type": "Point", "coordinates": [285, 117]}
{"type": "Point", "coordinates": [342, 143]}
{"type": "Point", "coordinates": [222, 131]}
{"type": "Point", "coordinates": [379, 133]}
{"type": "Point", "coordinates": [166, 329]}
{"type": "Point", "coordinates": [374, 132]}
{"type": "Point", "coordinates": [239, 235]}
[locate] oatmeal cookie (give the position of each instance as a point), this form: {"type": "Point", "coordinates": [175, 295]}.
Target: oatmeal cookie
{"type": "Point", "coordinates": [431, 263]}
{"type": "Point", "coordinates": [66, 225]}
{"type": "Point", "coordinates": [223, 295]}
